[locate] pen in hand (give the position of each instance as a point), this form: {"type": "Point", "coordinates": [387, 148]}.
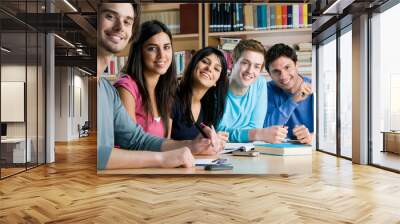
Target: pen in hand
{"type": "Point", "coordinates": [202, 131]}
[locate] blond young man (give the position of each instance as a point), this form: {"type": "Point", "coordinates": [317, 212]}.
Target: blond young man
{"type": "Point", "coordinates": [246, 104]}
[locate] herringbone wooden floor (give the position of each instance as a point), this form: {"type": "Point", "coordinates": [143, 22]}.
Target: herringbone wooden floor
{"type": "Point", "coordinates": [69, 191]}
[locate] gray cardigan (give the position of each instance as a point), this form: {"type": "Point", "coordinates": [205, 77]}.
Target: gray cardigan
{"type": "Point", "coordinates": [116, 128]}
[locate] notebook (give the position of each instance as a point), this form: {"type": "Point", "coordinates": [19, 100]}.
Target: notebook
{"type": "Point", "coordinates": [283, 149]}
{"type": "Point", "coordinates": [230, 147]}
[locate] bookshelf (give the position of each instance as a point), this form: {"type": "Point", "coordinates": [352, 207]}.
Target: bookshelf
{"type": "Point", "coordinates": [260, 32]}
{"type": "Point", "coordinates": [297, 33]}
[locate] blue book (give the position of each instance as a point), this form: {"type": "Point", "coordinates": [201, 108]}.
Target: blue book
{"type": "Point", "coordinates": [283, 149]}
{"type": "Point", "coordinates": [259, 16]}
{"type": "Point", "coordinates": [272, 16]}
{"type": "Point", "coordinates": [241, 16]}
{"type": "Point", "coordinates": [266, 18]}
{"type": "Point", "coordinates": [290, 16]}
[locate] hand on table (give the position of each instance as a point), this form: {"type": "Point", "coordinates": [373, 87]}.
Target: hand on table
{"type": "Point", "coordinates": [273, 134]}
{"type": "Point", "coordinates": [302, 134]}
{"type": "Point", "coordinates": [181, 157]}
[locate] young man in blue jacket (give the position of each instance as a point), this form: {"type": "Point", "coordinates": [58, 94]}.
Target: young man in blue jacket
{"type": "Point", "coordinates": [290, 96]}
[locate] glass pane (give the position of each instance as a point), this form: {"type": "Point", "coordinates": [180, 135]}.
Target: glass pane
{"type": "Point", "coordinates": [13, 86]}
{"type": "Point", "coordinates": [386, 89]}
{"type": "Point", "coordinates": [327, 96]}
{"type": "Point", "coordinates": [346, 94]}
{"type": "Point", "coordinates": [31, 97]}
{"type": "Point", "coordinates": [41, 99]}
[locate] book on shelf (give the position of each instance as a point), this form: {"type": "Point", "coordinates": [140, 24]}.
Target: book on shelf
{"type": "Point", "coordinates": [278, 16]}
{"type": "Point", "coordinates": [171, 18]}
{"type": "Point", "coordinates": [304, 58]}
{"type": "Point", "coordinates": [114, 67]}
{"type": "Point", "coordinates": [182, 59]}
{"type": "Point", "coordinates": [248, 17]}
{"type": "Point", "coordinates": [227, 45]}
{"type": "Point", "coordinates": [283, 149]}
{"type": "Point", "coordinates": [304, 46]}
{"type": "Point", "coordinates": [189, 14]}
{"type": "Point", "coordinates": [225, 17]}
{"type": "Point", "coordinates": [284, 16]}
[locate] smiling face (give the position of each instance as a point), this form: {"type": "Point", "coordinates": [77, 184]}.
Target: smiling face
{"type": "Point", "coordinates": [207, 71]}
{"type": "Point", "coordinates": [247, 68]}
{"type": "Point", "coordinates": [284, 72]}
{"type": "Point", "coordinates": [115, 26]}
{"type": "Point", "coordinates": [157, 54]}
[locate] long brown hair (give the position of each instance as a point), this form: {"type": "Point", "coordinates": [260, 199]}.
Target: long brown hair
{"type": "Point", "coordinates": [166, 85]}
{"type": "Point", "coordinates": [213, 102]}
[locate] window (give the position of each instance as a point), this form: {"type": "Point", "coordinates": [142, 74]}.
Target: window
{"type": "Point", "coordinates": [385, 88]}
{"type": "Point", "coordinates": [327, 96]}
{"type": "Point", "coordinates": [346, 92]}
{"type": "Point", "coordinates": [22, 67]}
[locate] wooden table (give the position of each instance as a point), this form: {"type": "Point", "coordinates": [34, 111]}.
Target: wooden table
{"type": "Point", "coordinates": [261, 165]}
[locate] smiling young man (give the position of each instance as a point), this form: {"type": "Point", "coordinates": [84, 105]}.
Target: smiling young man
{"type": "Point", "coordinates": [116, 25]}
{"type": "Point", "coordinates": [246, 103]}
{"type": "Point", "coordinates": [290, 98]}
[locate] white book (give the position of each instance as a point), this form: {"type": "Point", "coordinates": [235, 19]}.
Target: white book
{"type": "Point", "coordinates": [283, 149]}
{"type": "Point", "coordinates": [296, 14]}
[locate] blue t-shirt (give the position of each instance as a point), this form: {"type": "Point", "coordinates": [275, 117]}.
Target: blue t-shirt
{"type": "Point", "coordinates": [182, 129]}
{"type": "Point", "coordinates": [246, 112]}
{"type": "Point", "coordinates": [116, 126]}
{"type": "Point", "coordinates": [282, 110]}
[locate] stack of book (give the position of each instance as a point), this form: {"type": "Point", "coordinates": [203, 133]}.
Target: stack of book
{"type": "Point", "coordinates": [179, 21]}
{"type": "Point", "coordinates": [182, 58]}
{"type": "Point", "coordinates": [225, 17]}
{"type": "Point", "coordinates": [114, 67]}
{"type": "Point", "coordinates": [170, 18]}
{"type": "Point", "coordinates": [283, 149]}
{"type": "Point", "coordinates": [304, 58]}
{"type": "Point", "coordinates": [227, 45]}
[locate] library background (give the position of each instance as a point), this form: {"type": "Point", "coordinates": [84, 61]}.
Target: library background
{"type": "Point", "coordinates": [48, 86]}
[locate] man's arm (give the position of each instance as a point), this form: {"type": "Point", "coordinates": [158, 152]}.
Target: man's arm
{"type": "Point", "coordinates": [278, 115]}
{"type": "Point", "coordinates": [126, 159]}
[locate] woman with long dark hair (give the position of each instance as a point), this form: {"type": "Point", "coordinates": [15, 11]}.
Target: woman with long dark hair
{"type": "Point", "coordinates": [201, 94]}
{"type": "Point", "coordinates": [148, 89]}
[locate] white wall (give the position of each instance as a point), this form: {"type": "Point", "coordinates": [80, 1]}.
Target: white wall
{"type": "Point", "coordinates": [15, 73]}
{"type": "Point", "coordinates": [33, 127]}
{"type": "Point", "coordinates": [70, 83]}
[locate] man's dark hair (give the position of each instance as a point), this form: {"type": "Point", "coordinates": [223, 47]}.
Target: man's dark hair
{"type": "Point", "coordinates": [277, 51]}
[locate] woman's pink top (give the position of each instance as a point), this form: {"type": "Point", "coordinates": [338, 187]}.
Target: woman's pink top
{"type": "Point", "coordinates": [153, 125]}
